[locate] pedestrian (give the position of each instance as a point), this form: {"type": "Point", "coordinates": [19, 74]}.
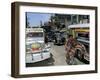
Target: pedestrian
{"type": "Point", "coordinates": [69, 41]}
{"type": "Point", "coordinates": [46, 38]}
{"type": "Point", "coordinates": [70, 50]}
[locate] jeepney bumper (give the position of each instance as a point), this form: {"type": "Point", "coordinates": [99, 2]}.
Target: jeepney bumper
{"type": "Point", "coordinates": [32, 58]}
{"type": "Point", "coordinates": [38, 56]}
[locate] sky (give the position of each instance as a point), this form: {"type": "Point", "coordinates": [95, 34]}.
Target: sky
{"type": "Point", "coordinates": [35, 18]}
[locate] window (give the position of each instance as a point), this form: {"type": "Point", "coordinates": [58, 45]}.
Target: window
{"type": "Point", "coordinates": [40, 34]}
{"type": "Point", "coordinates": [84, 35]}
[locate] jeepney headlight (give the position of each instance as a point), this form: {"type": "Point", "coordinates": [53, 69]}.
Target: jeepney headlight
{"type": "Point", "coordinates": [28, 47]}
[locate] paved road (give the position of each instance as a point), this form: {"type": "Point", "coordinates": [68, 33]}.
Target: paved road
{"type": "Point", "coordinates": [58, 57]}
{"type": "Point", "coordinates": [59, 54]}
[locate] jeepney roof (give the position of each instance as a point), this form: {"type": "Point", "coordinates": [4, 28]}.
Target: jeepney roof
{"type": "Point", "coordinates": [34, 29]}
{"type": "Point", "coordinates": [85, 25]}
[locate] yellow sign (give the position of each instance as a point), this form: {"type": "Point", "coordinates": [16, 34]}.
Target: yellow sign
{"type": "Point", "coordinates": [82, 30]}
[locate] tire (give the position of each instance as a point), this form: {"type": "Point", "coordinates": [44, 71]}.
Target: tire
{"type": "Point", "coordinates": [71, 60]}
{"type": "Point", "coordinates": [79, 54]}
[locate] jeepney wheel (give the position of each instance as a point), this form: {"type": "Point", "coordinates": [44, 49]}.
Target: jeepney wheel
{"type": "Point", "coordinates": [79, 54]}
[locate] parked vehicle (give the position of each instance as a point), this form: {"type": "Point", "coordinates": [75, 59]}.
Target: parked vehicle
{"type": "Point", "coordinates": [81, 33]}
{"type": "Point", "coordinates": [36, 49]}
{"type": "Point", "coordinates": [83, 38]}
{"type": "Point", "coordinates": [59, 38]}
{"type": "Point", "coordinates": [50, 35]}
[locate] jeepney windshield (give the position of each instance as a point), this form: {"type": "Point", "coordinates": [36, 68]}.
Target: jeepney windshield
{"type": "Point", "coordinates": [84, 35]}
{"type": "Point", "coordinates": [34, 34]}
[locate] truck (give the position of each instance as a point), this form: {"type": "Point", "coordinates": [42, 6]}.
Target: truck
{"type": "Point", "coordinates": [36, 48]}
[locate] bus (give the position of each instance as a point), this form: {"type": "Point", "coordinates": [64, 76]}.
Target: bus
{"type": "Point", "coordinates": [36, 49]}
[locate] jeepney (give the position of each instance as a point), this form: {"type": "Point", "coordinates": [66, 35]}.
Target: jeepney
{"type": "Point", "coordinates": [81, 33]}
{"type": "Point", "coordinates": [36, 49]}
{"type": "Point", "coordinates": [60, 37]}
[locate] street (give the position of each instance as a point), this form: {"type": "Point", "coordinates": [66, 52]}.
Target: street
{"type": "Point", "coordinates": [55, 28]}
{"type": "Point", "coordinates": [58, 57]}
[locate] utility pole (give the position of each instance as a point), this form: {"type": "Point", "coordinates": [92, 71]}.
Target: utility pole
{"type": "Point", "coordinates": [27, 23]}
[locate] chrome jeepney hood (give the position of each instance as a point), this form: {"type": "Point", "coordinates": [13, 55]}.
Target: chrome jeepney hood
{"type": "Point", "coordinates": [37, 43]}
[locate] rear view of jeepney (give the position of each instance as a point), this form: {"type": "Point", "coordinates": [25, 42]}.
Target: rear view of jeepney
{"type": "Point", "coordinates": [36, 49]}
